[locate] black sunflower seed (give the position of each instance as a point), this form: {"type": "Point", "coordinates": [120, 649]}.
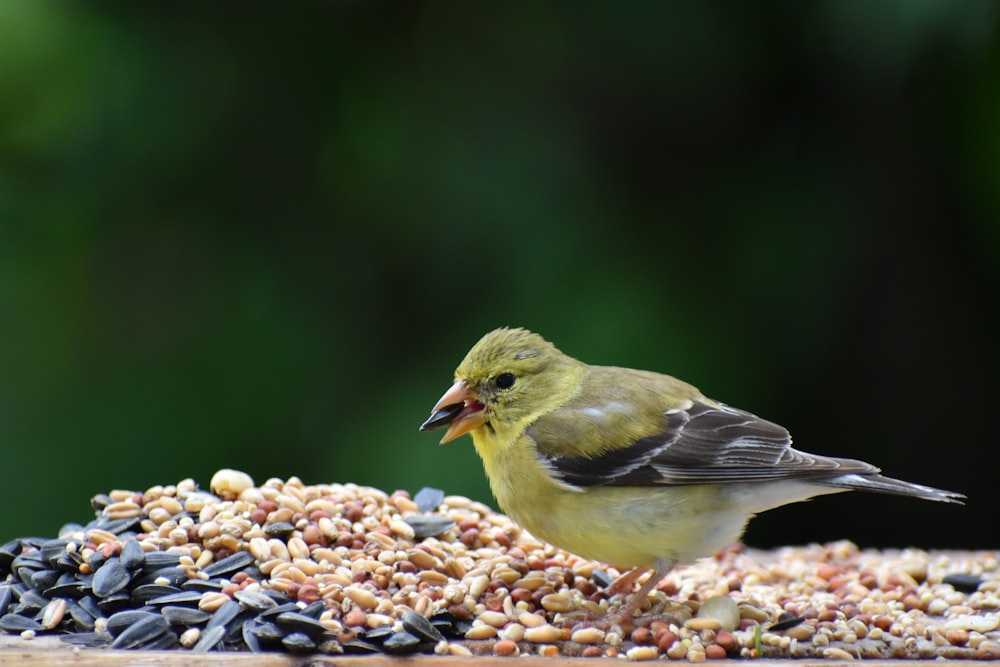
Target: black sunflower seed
{"type": "Point", "coordinates": [116, 602]}
{"type": "Point", "coordinates": [52, 549]}
{"type": "Point", "coordinates": [273, 612]}
{"type": "Point", "coordinates": [296, 622]}
{"type": "Point", "coordinates": [210, 639]}
{"type": "Point", "coordinates": [100, 501]}
{"type": "Point", "coordinates": [159, 559]}
{"type": "Point", "coordinates": [82, 619]}
{"type": "Point", "coordinates": [132, 555]}
{"type": "Point", "coordinates": [359, 646]}
{"type": "Point", "coordinates": [298, 642]}
{"type": "Point", "coordinates": [379, 634]}
{"type": "Point", "coordinates": [42, 580]}
{"type": "Point", "coordinates": [8, 552]}
{"type": "Point", "coordinates": [786, 621]}
{"type": "Point", "coordinates": [228, 565]}
{"type": "Point", "coordinates": [143, 594]}
{"type": "Point", "coordinates": [428, 498]}
{"type": "Point", "coordinates": [170, 576]}
{"type": "Point", "coordinates": [69, 562]}
{"type": "Point", "coordinates": [401, 643]}
{"type": "Point", "coordinates": [279, 529]}
{"type": "Point", "coordinates": [249, 638]}
{"type": "Point", "coordinates": [89, 639]}
{"type": "Point", "coordinates": [6, 595]}
{"type": "Point", "coordinates": [161, 642]}
{"type": "Point", "coordinates": [142, 631]}
{"type": "Point", "coordinates": [115, 526]}
{"type": "Point", "coordinates": [184, 616]}
{"type": "Point", "coordinates": [428, 525]}
{"type": "Point", "coordinates": [601, 578]}
{"type": "Point", "coordinates": [203, 585]}
{"type": "Point", "coordinates": [420, 627]}
{"type": "Point", "coordinates": [90, 604]}
{"type": "Point", "coordinates": [315, 610]}
{"type": "Point", "coordinates": [67, 589]}
{"type": "Point", "coordinates": [183, 598]}
{"type": "Point", "coordinates": [267, 632]}
{"type": "Point", "coordinates": [31, 601]}
{"type": "Point", "coordinates": [18, 623]}
{"type": "Point", "coordinates": [255, 601]}
{"type": "Point", "coordinates": [111, 578]}
{"type": "Point", "coordinates": [120, 621]}
{"type": "Point", "coordinates": [963, 583]}
{"type": "Point", "coordinates": [224, 614]}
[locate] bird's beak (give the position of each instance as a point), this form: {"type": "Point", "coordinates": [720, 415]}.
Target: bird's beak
{"type": "Point", "coordinates": [459, 410]}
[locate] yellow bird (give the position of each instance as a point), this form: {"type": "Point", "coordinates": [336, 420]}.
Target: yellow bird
{"type": "Point", "coordinates": [629, 467]}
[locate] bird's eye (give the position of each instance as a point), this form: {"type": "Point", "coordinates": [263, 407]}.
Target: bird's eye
{"type": "Point", "coordinates": [505, 381]}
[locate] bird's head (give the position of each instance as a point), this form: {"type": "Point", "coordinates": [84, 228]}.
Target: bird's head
{"type": "Point", "coordinates": [508, 379]}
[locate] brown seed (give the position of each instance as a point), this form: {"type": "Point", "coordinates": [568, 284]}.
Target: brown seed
{"type": "Point", "coordinates": [715, 652]}
{"type": "Point", "coordinates": [957, 637]}
{"type": "Point", "coordinates": [531, 620]}
{"type": "Point", "coordinates": [513, 632]}
{"type": "Point", "coordinates": [422, 559]}
{"type": "Point", "coordinates": [642, 635]}
{"type": "Point", "coordinates": [433, 578]}
{"type": "Point", "coordinates": [122, 510]}
{"type": "Point", "coordinates": [495, 618]}
{"type": "Point", "coordinates": [482, 631]}
{"type": "Point", "coordinates": [702, 623]}
{"type": "Point", "coordinates": [355, 617]}
{"type": "Point", "coordinates": [505, 648]}
{"type": "Point", "coordinates": [53, 614]}
{"type": "Point", "coordinates": [987, 650]}
{"type": "Point", "coordinates": [752, 613]}
{"type": "Point", "coordinates": [727, 641]}
{"type": "Point", "coordinates": [229, 484]}
{"type": "Point", "coordinates": [543, 634]}
{"type": "Point", "coordinates": [352, 511]}
{"type": "Point", "coordinates": [378, 620]}
{"type": "Point", "coordinates": [212, 601]}
{"type": "Point", "coordinates": [521, 595]}
{"type": "Point", "coordinates": [454, 568]}
{"type": "Point", "coordinates": [558, 603]}
{"type": "Point", "coordinates": [883, 622]}
{"type": "Point", "coordinates": [800, 632]}
{"type": "Point", "coordinates": [665, 640]}
{"type": "Point", "coordinates": [190, 637]}
{"type": "Point", "coordinates": [834, 653]}
{"type": "Point", "coordinates": [588, 636]}
{"type": "Point", "coordinates": [361, 597]}
{"type": "Point", "coordinates": [642, 653]}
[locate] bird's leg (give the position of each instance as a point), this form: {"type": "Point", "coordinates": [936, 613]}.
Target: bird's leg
{"type": "Point", "coordinates": [624, 613]}
{"type": "Point", "coordinates": [623, 584]}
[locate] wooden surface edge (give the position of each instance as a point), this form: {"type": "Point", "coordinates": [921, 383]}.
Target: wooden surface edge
{"type": "Point", "coordinates": [49, 651]}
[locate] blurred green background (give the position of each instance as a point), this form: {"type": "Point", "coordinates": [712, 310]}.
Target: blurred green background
{"type": "Point", "coordinates": [261, 237]}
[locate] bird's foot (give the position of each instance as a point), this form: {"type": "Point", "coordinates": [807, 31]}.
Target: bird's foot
{"type": "Point", "coordinates": [624, 583]}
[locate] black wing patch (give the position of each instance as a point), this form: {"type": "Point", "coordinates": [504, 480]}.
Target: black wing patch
{"type": "Point", "coordinates": [701, 445]}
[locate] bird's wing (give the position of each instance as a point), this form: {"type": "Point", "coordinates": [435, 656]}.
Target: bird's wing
{"type": "Point", "coordinates": [700, 444]}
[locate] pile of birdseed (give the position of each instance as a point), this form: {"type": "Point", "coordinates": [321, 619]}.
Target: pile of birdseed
{"type": "Point", "coordinates": [341, 568]}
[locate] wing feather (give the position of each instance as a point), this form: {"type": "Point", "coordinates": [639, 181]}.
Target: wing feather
{"type": "Point", "coordinates": [702, 444]}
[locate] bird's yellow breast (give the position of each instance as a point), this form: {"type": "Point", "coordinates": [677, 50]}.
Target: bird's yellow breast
{"type": "Point", "coordinates": [625, 526]}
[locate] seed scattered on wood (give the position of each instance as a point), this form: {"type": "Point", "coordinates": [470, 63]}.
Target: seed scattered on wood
{"type": "Point", "coordinates": [332, 569]}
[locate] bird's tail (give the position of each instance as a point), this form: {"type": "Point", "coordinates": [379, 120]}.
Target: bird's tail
{"type": "Point", "coordinates": [882, 484]}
